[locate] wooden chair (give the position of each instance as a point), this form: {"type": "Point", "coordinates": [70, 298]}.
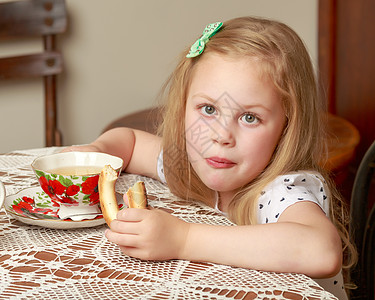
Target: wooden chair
{"type": "Point", "coordinates": [29, 19]}
{"type": "Point", "coordinates": [146, 120]}
{"type": "Point", "coordinates": [362, 227]}
{"type": "Point", "coordinates": [342, 141]}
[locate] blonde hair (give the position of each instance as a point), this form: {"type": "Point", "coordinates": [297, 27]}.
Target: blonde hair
{"type": "Point", "coordinates": [284, 61]}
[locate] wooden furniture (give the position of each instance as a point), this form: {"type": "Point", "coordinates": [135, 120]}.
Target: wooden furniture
{"type": "Point", "coordinates": [347, 70]}
{"type": "Point", "coordinates": [362, 227]}
{"type": "Point", "coordinates": [342, 141]}
{"type": "Point", "coordinates": [146, 120]}
{"type": "Point", "coordinates": [44, 263]}
{"type": "Point", "coordinates": [346, 47]}
{"type": "Point", "coordinates": [27, 19]}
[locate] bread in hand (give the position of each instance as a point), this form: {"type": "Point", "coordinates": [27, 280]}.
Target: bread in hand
{"type": "Point", "coordinates": [137, 195]}
{"type": "Point", "coordinates": [107, 195]}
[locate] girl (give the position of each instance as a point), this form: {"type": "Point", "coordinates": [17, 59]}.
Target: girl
{"type": "Point", "coordinates": [242, 132]}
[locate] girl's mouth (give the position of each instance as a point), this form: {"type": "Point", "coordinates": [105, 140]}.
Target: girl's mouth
{"type": "Point", "coordinates": [219, 162]}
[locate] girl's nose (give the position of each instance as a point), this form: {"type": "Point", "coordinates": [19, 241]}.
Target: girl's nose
{"type": "Point", "coordinates": [223, 135]}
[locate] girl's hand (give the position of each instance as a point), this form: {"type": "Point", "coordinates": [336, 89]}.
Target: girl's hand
{"type": "Point", "coordinates": [82, 148]}
{"type": "Point", "coordinates": [149, 234]}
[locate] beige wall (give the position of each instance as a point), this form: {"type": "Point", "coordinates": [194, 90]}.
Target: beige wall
{"type": "Point", "coordinates": [117, 55]}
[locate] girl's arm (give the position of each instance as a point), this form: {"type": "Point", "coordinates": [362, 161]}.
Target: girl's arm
{"type": "Point", "coordinates": [302, 241]}
{"type": "Point", "coordinates": [138, 149]}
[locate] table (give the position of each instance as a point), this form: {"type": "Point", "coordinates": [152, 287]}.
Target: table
{"type": "Point", "coordinates": [44, 263]}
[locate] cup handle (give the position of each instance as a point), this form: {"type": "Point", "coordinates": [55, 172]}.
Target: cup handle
{"type": "Point", "coordinates": [2, 194]}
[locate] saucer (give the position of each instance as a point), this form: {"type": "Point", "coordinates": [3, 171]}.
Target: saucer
{"type": "Point", "coordinates": [34, 207]}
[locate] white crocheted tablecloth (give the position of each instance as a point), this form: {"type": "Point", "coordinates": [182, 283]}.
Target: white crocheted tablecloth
{"type": "Point", "coordinates": [45, 263]}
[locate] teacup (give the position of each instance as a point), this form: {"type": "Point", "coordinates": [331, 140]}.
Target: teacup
{"type": "Point", "coordinates": [2, 194]}
{"type": "Point", "coordinates": [70, 179]}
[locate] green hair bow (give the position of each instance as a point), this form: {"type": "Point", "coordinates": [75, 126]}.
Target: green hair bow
{"type": "Point", "coordinates": [198, 47]}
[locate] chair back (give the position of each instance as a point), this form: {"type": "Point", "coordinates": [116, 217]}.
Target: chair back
{"type": "Point", "coordinates": [28, 19]}
{"type": "Point", "coordinates": [146, 120]}
{"type": "Point", "coordinates": [362, 227]}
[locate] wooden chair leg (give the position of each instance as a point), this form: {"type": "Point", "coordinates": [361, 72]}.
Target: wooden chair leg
{"type": "Point", "coordinates": [51, 112]}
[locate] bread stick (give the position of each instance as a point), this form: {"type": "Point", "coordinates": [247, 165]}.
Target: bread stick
{"type": "Point", "coordinates": [137, 195]}
{"type": "Point", "coordinates": [108, 203]}
{"type": "Point", "coordinates": [107, 194]}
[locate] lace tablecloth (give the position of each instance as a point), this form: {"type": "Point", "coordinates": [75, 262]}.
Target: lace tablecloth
{"type": "Point", "coordinates": [45, 263]}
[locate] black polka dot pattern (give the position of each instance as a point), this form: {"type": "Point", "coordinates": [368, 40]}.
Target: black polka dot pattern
{"type": "Point", "coordinates": [289, 189]}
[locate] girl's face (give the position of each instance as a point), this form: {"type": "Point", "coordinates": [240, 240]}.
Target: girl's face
{"type": "Point", "coordinates": [233, 122]}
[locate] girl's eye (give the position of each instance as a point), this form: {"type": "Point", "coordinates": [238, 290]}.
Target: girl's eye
{"type": "Point", "coordinates": [249, 119]}
{"type": "Point", "coordinates": [208, 110]}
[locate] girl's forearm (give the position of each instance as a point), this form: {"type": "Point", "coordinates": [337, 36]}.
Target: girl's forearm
{"type": "Point", "coordinates": [278, 247]}
{"type": "Point", "coordinates": [138, 149]}
{"type": "Point", "coordinates": [118, 141]}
